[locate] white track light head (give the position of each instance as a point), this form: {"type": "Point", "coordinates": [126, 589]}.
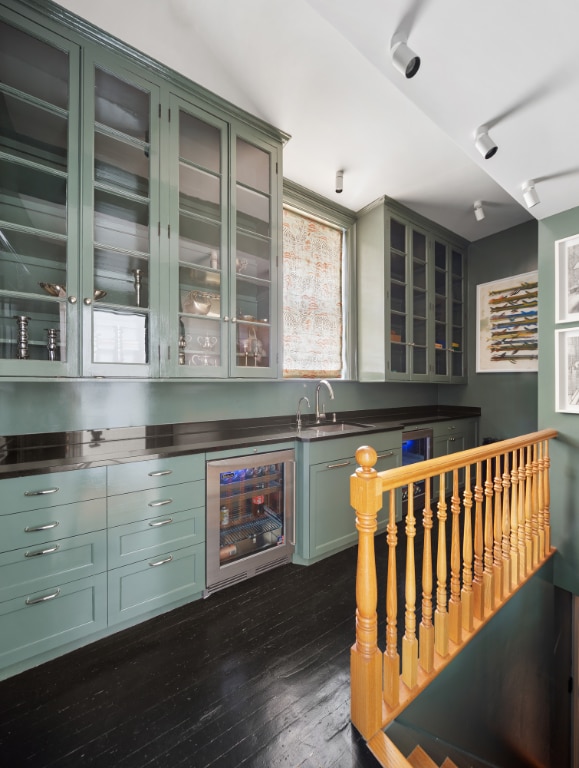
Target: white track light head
{"type": "Point", "coordinates": [530, 195]}
{"type": "Point", "coordinates": [404, 59]}
{"type": "Point", "coordinates": [485, 145]}
{"type": "Point", "coordinates": [339, 181]}
{"type": "Point", "coordinates": [478, 210]}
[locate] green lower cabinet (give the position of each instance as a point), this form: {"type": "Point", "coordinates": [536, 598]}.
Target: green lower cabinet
{"type": "Point", "coordinates": [327, 522]}
{"type": "Point", "coordinates": [59, 614]}
{"type": "Point", "coordinates": [451, 437]}
{"type": "Point", "coordinates": [150, 586]}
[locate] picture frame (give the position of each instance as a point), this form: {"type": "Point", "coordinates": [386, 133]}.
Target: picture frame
{"type": "Point", "coordinates": [567, 280]}
{"type": "Point", "coordinates": [507, 337]}
{"type": "Point", "coordinates": [567, 370]}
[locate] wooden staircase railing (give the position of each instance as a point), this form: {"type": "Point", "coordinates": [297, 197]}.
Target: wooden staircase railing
{"type": "Point", "coordinates": [506, 486]}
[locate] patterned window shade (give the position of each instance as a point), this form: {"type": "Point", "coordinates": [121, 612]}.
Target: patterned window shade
{"type": "Point", "coordinates": [312, 297]}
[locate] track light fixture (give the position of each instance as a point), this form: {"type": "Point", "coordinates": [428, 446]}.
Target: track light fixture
{"type": "Point", "coordinates": [485, 145]}
{"type": "Point", "coordinates": [530, 195]}
{"type": "Point", "coordinates": [339, 181]}
{"type": "Point", "coordinates": [479, 213]}
{"type": "Point", "coordinates": [404, 59]}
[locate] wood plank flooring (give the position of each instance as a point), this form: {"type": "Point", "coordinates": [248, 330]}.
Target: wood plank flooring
{"type": "Point", "coordinates": [256, 675]}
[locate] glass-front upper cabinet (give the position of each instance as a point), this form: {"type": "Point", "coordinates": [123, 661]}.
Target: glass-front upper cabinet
{"type": "Point", "coordinates": [38, 203]}
{"type": "Point", "coordinates": [120, 296]}
{"type": "Point", "coordinates": [221, 247]}
{"type": "Point", "coordinates": [253, 306]}
{"type": "Point", "coordinates": [198, 333]}
{"type": "Point", "coordinates": [408, 302]}
{"type": "Point", "coordinates": [449, 313]}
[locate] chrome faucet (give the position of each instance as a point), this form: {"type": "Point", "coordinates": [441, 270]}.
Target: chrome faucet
{"type": "Point", "coordinates": [299, 414]}
{"type": "Point", "coordinates": [320, 415]}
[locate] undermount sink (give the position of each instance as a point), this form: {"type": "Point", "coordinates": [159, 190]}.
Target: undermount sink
{"type": "Point", "coordinates": [331, 428]}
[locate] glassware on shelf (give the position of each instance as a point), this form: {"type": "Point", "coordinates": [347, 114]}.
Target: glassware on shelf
{"type": "Point", "coordinates": [52, 342]}
{"type": "Point", "coordinates": [138, 275]}
{"type": "Point", "coordinates": [182, 346]}
{"type": "Point", "coordinates": [22, 341]}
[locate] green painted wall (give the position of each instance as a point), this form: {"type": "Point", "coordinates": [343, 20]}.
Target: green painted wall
{"type": "Point", "coordinates": [32, 407]}
{"type": "Point", "coordinates": [565, 450]}
{"type": "Point", "coordinates": [508, 400]}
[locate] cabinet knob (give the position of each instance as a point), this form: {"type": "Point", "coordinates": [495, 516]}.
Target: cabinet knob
{"type": "Point", "coordinates": [226, 319]}
{"type": "Point", "coordinates": [233, 319]}
{"type": "Point", "coordinates": [88, 302]}
{"type": "Point", "coordinates": [72, 299]}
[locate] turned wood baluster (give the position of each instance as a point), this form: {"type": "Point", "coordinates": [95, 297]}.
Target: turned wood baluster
{"type": "Point", "coordinates": [426, 629]}
{"type": "Point", "coordinates": [478, 585]}
{"type": "Point", "coordinates": [391, 657]}
{"type": "Point", "coordinates": [535, 503]}
{"type": "Point", "coordinates": [488, 575]}
{"type": "Point", "coordinates": [523, 564]}
{"type": "Point", "coordinates": [498, 532]}
{"type": "Point", "coordinates": [514, 523]}
{"type": "Point", "coordinates": [365, 657]}
{"type": "Point", "coordinates": [409, 641]}
{"type": "Point", "coordinates": [441, 613]}
{"type": "Point", "coordinates": [547, 498]}
{"type": "Point", "coordinates": [454, 606]}
{"type": "Point", "coordinates": [540, 500]}
{"type": "Point", "coordinates": [467, 590]}
{"type": "Point", "coordinates": [506, 515]}
{"type": "Point", "coordinates": [529, 509]}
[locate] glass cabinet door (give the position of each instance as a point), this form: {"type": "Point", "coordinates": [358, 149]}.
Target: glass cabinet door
{"type": "Point", "coordinates": [198, 330]}
{"type": "Point", "coordinates": [458, 331]}
{"type": "Point", "coordinates": [398, 301]}
{"type": "Point", "coordinates": [120, 295]}
{"type": "Point", "coordinates": [419, 357]}
{"type": "Point", "coordinates": [253, 304]}
{"type": "Point", "coordinates": [441, 308]}
{"type": "Point", "coordinates": [38, 209]}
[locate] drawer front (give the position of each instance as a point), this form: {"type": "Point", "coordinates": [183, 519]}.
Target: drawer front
{"type": "Point", "coordinates": [143, 505]}
{"type": "Point", "coordinates": [139, 475]}
{"type": "Point", "coordinates": [50, 618]}
{"type": "Point", "coordinates": [51, 490]}
{"type": "Point", "coordinates": [149, 538]}
{"type": "Point", "coordinates": [38, 526]}
{"type": "Point", "coordinates": [23, 571]}
{"type": "Point", "coordinates": [338, 449]}
{"type": "Point", "coordinates": [155, 583]}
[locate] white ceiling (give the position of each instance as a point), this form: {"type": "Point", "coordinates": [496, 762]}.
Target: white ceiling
{"type": "Point", "coordinates": [321, 71]}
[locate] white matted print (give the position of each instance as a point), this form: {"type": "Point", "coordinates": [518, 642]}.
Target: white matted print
{"type": "Point", "coordinates": [567, 370]}
{"type": "Point", "coordinates": [507, 324]}
{"type": "Point", "coordinates": [567, 280]}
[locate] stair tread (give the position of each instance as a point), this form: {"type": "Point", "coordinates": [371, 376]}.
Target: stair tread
{"type": "Point", "coordinates": [448, 763]}
{"type": "Point", "coordinates": [419, 759]}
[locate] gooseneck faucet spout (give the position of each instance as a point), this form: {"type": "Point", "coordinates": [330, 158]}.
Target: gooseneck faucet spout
{"type": "Point", "coordinates": [303, 399]}
{"type": "Point", "coordinates": [320, 415]}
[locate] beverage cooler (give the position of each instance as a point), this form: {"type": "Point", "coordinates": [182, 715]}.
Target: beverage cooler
{"type": "Point", "coordinates": [250, 516]}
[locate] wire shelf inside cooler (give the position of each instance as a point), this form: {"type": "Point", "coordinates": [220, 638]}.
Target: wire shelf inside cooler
{"type": "Point", "coordinates": [251, 528]}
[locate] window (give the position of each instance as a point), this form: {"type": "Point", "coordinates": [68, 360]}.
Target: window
{"type": "Point", "coordinates": [315, 291]}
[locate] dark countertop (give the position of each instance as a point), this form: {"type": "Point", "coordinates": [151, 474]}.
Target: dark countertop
{"type": "Point", "coordinates": [58, 451]}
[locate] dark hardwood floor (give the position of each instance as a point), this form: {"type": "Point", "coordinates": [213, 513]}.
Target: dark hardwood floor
{"type": "Point", "coordinates": [256, 675]}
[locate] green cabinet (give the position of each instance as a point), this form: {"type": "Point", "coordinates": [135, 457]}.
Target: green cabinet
{"type": "Point", "coordinates": [411, 284]}
{"type": "Point", "coordinates": [139, 215]}
{"type": "Point", "coordinates": [53, 562]}
{"type": "Point", "coordinates": [326, 523]}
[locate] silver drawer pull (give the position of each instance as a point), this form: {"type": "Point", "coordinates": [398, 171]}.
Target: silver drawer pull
{"type": "Point", "coordinates": [161, 473]}
{"type": "Point", "coordinates": [43, 492]}
{"type": "Point", "coordinates": [157, 523]}
{"type": "Point", "coordinates": [43, 599]}
{"type": "Point", "coordinates": [160, 503]}
{"type": "Point", "coordinates": [36, 528]}
{"type": "Point", "coordinates": [37, 552]}
{"type": "Point", "coordinates": [385, 455]}
{"type": "Point", "coordinates": [161, 562]}
{"type": "Point", "coordinates": [341, 464]}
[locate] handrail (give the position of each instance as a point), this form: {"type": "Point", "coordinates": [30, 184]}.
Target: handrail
{"type": "Point", "coordinates": [489, 507]}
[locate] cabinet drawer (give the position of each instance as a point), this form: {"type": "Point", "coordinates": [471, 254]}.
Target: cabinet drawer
{"type": "Point", "coordinates": [39, 526]}
{"type": "Point", "coordinates": [50, 618]}
{"type": "Point", "coordinates": [51, 490]}
{"type": "Point", "coordinates": [149, 538]}
{"type": "Point", "coordinates": [334, 450]}
{"type": "Point", "coordinates": [139, 475]}
{"type": "Point", "coordinates": [150, 585]}
{"type": "Point", "coordinates": [38, 567]}
{"type": "Point", "coordinates": [143, 505]}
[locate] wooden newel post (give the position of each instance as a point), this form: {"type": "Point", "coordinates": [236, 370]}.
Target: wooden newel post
{"type": "Point", "coordinates": [365, 656]}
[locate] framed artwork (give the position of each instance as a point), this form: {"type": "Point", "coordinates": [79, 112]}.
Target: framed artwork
{"type": "Point", "coordinates": [567, 280]}
{"type": "Point", "coordinates": [507, 324]}
{"type": "Point", "coordinates": [567, 370]}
